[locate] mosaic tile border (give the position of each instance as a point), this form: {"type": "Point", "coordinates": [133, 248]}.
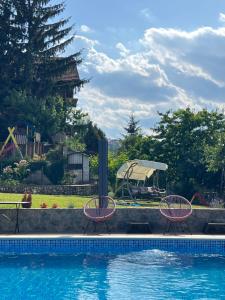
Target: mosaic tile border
{"type": "Point", "coordinates": [115, 245]}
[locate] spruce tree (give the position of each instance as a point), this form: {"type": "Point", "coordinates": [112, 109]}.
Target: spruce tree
{"type": "Point", "coordinates": [33, 38]}
{"type": "Point", "coordinates": [39, 39]}
{"type": "Point", "coordinates": [5, 46]}
{"type": "Point", "coordinates": [132, 126]}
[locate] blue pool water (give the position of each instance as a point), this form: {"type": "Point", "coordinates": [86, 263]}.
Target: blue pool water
{"type": "Point", "coordinates": [147, 274]}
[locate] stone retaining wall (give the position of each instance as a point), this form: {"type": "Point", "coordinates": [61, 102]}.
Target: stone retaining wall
{"type": "Point", "coordinates": [74, 221]}
{"type": "Point", "coordinates": [84, 189]}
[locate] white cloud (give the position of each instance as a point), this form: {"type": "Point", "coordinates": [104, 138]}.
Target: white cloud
{"type": "Point", "coordinates": [90, 43]}
{"type": "Point", "coordinates": [172, 69]}
{"type": "Point", "coordinates": [222, 17]}
{"type": "Point", "coordinates": [123, 50]}
{"type": "Point", "coordinates": [147, 14]}
{"type": "Point", "coordinates": [111, 112]}
{"type": "Point", "coordinates": [85, 28]}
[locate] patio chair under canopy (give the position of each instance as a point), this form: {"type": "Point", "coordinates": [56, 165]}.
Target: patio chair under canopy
{"type": "Point", "coordinates": [134, 175]}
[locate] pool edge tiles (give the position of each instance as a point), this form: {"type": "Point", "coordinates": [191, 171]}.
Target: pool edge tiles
{"type": "Point", "coordinates": [104, 244]}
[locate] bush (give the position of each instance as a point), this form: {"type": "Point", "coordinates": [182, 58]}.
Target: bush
{"type": "Point", "coordinates": [55, 166]}
{"type": "Point", "coordinates": [75, 144]}
{"type": "Point", "coordinates": [94, 166]}
{"type": "Point", "coordinates": [115, 161]}
{"type": "Point", "coordinates": [9, 182]}
{"type": "Point", "coordinates": [21, 169]}
{"type": "Point", "coordinates": [55, 171]}
{"type": "Point", "coordinates": [36, 165]}
{"type": "Point", "coordinates": [17, 171]}
{"type": "Point", "coordinates": [68, 178]}
{"type": "Point", "coordinates": [54, 154]}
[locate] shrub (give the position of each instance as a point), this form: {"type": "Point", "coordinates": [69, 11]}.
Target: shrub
{"type": "Point", "coordinates": [55, 171]}
{"type": "Point", "coordinates": [68, 178]}
{"type": "Point", "coordinates": [19, 171]}
{"type": "Point", "coordinates": [54, 205]}
{"type": "Point", "coordinates": [43, 205]}
{"type": "Point", "coordinates": [8, 173]}
{"type": "Point", "coordinates": [36, 165]}
{"type": "Point", "coordinates": [75, 144]}
{"type": "Point", "coordinates": [9, 182]}
{"type": "Point", "coordinates": [55, 166]}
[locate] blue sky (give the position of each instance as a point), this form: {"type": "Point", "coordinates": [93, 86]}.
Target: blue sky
{"type": "Point", "coordinates": [148, 56]}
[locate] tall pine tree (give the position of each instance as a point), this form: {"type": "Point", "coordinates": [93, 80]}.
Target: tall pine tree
{"type": "Point", "coordinates": [6, 48]}
{"type": "Point", "coordinates": [33, 39]}
{"type": "Point", "coordinates": [132, 126]}
{"type": "Point", "coordinates": [41, 39]}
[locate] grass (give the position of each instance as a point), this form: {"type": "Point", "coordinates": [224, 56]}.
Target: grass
{"type": "Point", "coordinates": [64, 201]}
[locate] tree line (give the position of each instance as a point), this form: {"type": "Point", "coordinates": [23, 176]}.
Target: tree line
{"type": "Point", "coordinates": [191, 143]}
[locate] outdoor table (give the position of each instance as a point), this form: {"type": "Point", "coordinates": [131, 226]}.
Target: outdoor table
{"type": "Point", "coordinates": [17, 205]}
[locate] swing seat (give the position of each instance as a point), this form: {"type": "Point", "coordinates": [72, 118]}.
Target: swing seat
{"type": "Point", "coordinates": [139, 171]}
{"type": "Point", "coordinates": [148, 191]}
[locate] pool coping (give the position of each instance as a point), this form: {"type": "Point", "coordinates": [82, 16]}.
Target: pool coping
{"type": "Point", "coordinates": [113, 236]}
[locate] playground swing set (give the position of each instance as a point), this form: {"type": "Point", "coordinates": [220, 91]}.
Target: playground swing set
{"type": "Point", "coordinates": [22, 140]}
{"type": "Point", "coordinates": [9, 147]}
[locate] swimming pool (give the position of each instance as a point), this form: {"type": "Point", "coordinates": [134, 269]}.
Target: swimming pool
{"type": "Point", "coordinates": [112, 269]}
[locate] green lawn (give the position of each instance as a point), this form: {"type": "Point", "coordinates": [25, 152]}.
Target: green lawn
{"type": "Point", "coordinates": [64, 201]}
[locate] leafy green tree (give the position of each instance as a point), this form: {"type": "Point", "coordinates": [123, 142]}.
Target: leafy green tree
{"type": "Point", "coordinates": [93, 134]}
{"type": "Point", "coordinates": [75, 144]}
{"type": "Point", "coordinates": [182, 137]}
{"type": "Point", "coordinates": [215, 158]}
{"type": "Point", "coordinates": [48, 115]}
{"type": "Point", "coordinates": [77, 123]}
{"type": "Point", "coordinates": [191, 143]}
{"type": "Point", "coordinates": [115, 161]}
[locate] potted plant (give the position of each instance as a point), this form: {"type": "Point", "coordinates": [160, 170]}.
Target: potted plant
{"type": "Point", "coordinates": [43, 205]}
{"type": "Point", "coordinates": [27, 198]}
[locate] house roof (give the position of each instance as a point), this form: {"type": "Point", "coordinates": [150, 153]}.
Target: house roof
{"type": "Point", "coordinates": [71, 75]}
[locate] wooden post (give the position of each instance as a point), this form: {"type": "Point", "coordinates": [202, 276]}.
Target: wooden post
{"type": "Point", "coordinates": [27, 133]}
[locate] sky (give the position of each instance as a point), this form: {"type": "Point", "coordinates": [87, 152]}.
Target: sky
{"type": "Point", "coordinates": [147, 56]}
